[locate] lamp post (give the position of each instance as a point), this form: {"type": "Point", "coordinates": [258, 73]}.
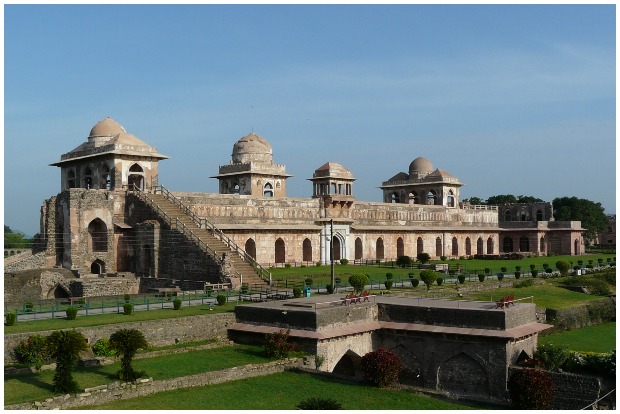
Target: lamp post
{"type": "Point", "coordinates": [331, 248]}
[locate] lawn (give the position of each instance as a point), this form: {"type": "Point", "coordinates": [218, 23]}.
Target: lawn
{"type": "Point", "coordinates": [23, 388]}
{"type": "Point", "coordinates": [597, 338]}
{"type": "Point", "coordinates": [282, 391]}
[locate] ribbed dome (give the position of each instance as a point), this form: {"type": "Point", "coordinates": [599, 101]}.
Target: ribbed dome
{"type": "Point", "coordinates": [106, 128]}
{"type": "Point", "coordinates": [420, 165]}
{"type": "Point", "coordinates": [250, 148]}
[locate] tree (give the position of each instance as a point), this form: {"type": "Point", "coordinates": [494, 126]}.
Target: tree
{"type": "Point", "coordinates": [529, 199]}
{"type": "Point", "coordinates": [562, 266]}
{"type": "Point", "coordinates": [428, 277]}
{"type": "Point", "coordinates": [591, 214]}
{"type": "Point", "coordinates": [501, 199]}
{"type": "Point", "coordinates": [358, 281]}
{"type": "Point", "coordinates": [403, 261]}
{"type": "Point", "coordinates": [65, 346]}
{"type": "Point", "coordinates": [424, 257]}
{"type": "Point", "coordinates": [475, 201]}
{"type": "Point", "coordinates": [14, 240]}
{"type": "Point", "coordinates": [126, 342]}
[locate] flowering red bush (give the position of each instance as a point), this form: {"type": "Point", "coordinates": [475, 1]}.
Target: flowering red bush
{"type": "Point", "coordinates": [381, 367]}
{"type": "Point", "coordinates": [32, 351]}
{"type": "Point", "coordinates": [277, 345]}
{"type": "Point", "coordinates": [531, 389]}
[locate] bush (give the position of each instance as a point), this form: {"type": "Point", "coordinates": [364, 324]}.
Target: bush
{"type": "Point", "coordinates": [504, 270]}
{"type": "Point", "coordinates": [443, 258]}
{"type": "Point", "coordinates": [317, 264]}
{"type": "Point", "coordinates": [389, 276]}
{"type": "Point", "coordinates": [329, 288]}
{"type": "Point", "coordinates": [28, 306]}
{"type": "Point", "coordinates": [523, 283]}
{"type": "Point", "coordinates": [309, 282]}
{"type": "Point", "coordinates": [481, 277]}
{"type": "Point", "coordinates": [403, 261]}
{"type": "Point", "coordinates": [245, 288]}
{"type": "Point", "coordinates": [551, 357]}
{"type": "Point", "coordinates": [127, 297]}
{"type": "Point", "coordinates": [221, 299]}
{"type": "Point", "coordinates": [296, 292]}
{"type": "Point", "coordinates": [518, 268]}
{"type": "Point", "coordinates": [381, 367]}
{"type": "Point", "coordinates": [209, 290]}
{"type": "Point", "coordinates": [415, 282]}
{"type": "Point", "coordinates": [591, 363]}
{"type": "Point", "coordinates": [338, 281]}
{"type": "Point", "coordinates": [461, 279]}
{"type": "Point", "coordinates": [534, 273]}
{"type": "Point", "coordinates": [33, 351]}
{"type": "Point", "coordinates": [563, 266]}
{"type": "Point", "coordinates": [500, 276]}
{"type": "Point", "coordinates": [411, 275]}
{"type": "Point", "coordinates": [532, 266]}
{"type": "Point", "coordinates": [580, 262]}
{"type": "Point", "coordinates": [176, 303]}
{"type": "Point", "coordinates": [439, 281]}
{"type": "Point", "coordinates": [102, 348]}
{"type": "Point", "coordinates": [277, 345]}
{"type": "Point", "coordinates": [487, 271]}
{"type": "Point", "coordinates": [531, 389]}
{"type": "Point", "coordinates": [344, 262]}
{"type": "Point", "coordinates": [319, 404]}
{"type": "Point", "coordinates": [71, 313]}
{"type": "Point", "coordinates": [388, 284]}
{"type": "Point", "coordinates": [127, 308]}
{"type": "Point", "coordinates": [287, 265]}
{"type": "Point", "coordinates": [428, 277]}
{"type": "Point", "coordinates": [358, 281]}
{"type": "Point", "coordinates": [127, 342]}
{"type": "Point", "coordinates": [517, 274]}
{"type": "Point", "coordinates": [424, 257]}
{"type": "Point", "coordinates": [11, 318]}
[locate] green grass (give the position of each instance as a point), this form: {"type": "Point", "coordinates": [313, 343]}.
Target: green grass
{"type": "Point", "coordinates": [24, 388]}
{"type": "Point", "coordinates": [597, 338]}
{"type": "Point", "coordinates": [282, 391]}
{"type": "Point", "coordinates": [114, 318]}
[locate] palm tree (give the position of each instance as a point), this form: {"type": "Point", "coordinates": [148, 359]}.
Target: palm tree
{"type": "Point", "coordinates": [126, 342]}
{"type": "Point", "coordinates": [65, 346]}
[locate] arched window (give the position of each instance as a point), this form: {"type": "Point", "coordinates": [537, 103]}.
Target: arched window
{"type": "Point", "coordinates": [524, 244]}
{"type": "Point", "coordinates": [539, 215]}
{"type": "Point", "coordinates": [438, 247]}
{"type": "Point", "coordinates": [379, 248]}
{"type": "Point", "coordinates": [431, 197]}
{"type": "Point", "coordinates": [420, 245]}
{"type": "Point", "coordinates": [524, 215]}
{"type": "Point", "coordinates": [455, 247]}
{"type": "Point", "coordinates": [358, 249]}
{"type": "Point", "coordinates": [71, 179]}
{"type": "Point", "coordinates": [400, 247]}
{"type": "Point", "coordinates": [543, 245]}
{"type": "Point", "coordinates": [268, 190]}
{"type": "Point", "coordinates": [394, 198]}
{"type": "Point", "coordinates": [413, 198]}
{"type": "Point", "coordinates": [468, 246]}
{"type": "Point", "coordinates": [106, 178]}
{"type": "Point", "coordinates": [236, 188]}
{"type": "Point", "coordinates": [507, 246]}
{"type": "Point", "coordinates": [451, 199]}
{"type": "Point", "coordinates": [480, 246]}
{"type": "Point", "coordinates": [250, 248]}
{"type": "Point", "coordinates": [507, 215]}
{"type": "Point", "coordinates": [337, 247]}
{"type": "Point", "coordinates": [490, 246]}
{"type": "Point", "coordinates": [307, 250]}
{"type": "Point", "coordinates": [88, 178]}
{"type": "Point", "coordinates": [280, 251]}
{"type": "Point", "coordinates": [98, 232]}
{"type": "Point", "coordinates": [136, 177]}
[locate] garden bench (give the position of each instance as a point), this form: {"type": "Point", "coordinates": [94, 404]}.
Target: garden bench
{"type": "Point", "coordinates": [505, 301]}
{"type": "Point", "coordinates": [364, 295]}
{"type": "Point", "coordinates": [348, 299]}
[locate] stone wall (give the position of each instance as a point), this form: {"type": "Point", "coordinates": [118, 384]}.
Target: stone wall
{"type": "Point", "coordinates": [158, 332]}
{"type": "Point", "coordinates": [105, 286]}
{"type": "Point", "coordinates": [34, 284]}
{"type": "Point", "coordinates": [30, 261]}
{"type": "Point", "coordinates": [142, 387]}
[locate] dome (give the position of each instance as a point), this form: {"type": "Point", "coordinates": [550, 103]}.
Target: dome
{"type": "Point", "coordinates": [106, 128]}
{"type": "Point", "coordinates": [420, 165]}
{"type": "Point", "coordinates": [252, 148]}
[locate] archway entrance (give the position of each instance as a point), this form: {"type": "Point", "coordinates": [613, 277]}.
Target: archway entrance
{"type": "Point", "coordinates": [336, 247]}
{"type": "Point", "coordinates": [97, 267]}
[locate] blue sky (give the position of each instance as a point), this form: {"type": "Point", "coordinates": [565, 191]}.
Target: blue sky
{"type": "Point", "coordinates": [509, 99]}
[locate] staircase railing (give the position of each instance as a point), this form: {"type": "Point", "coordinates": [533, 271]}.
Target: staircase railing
{"type": "Point", "coordinates": [202, 223]}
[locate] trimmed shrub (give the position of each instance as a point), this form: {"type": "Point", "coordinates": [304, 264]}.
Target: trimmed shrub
{"type": "Point", "coordinates": [531, 389]}
{"type": "Point", "coordinates": [176, 303]}
{"type": "Point", "coordinates": [245, 288]}
{"type": "Point", "coordinates": [563, 266]}
{"type": "Point", "coordinates": [388, 284]}
{"type": "Point", "coordinates": [209, 290]}
{"type": "Point", "coordinates": [319, 404]}
{"type": "Point", "coordinates": [591, 363]}
{"type": "Point", "coordinates": [381, 367]}
{"type": "Point", "coordinates": [389, 276]}
{"type": "Point", "coordinates": [102, 348]}
{"type": "Point", "coordinates": [317, 264]}
{"type": "Point", "coordinates": [221, 299]}
{"type": "Point", "coordinates": [415, 282]}
{"type": "Point", "coordinates": [428, 277]}
{"type": "Point", "coordinates": [439, 281]}
{"type": "Point", "coordinates": [329, 288]}
{"type": "Point", "coordinates": [481, 277]}
{"type": "Point", "coordinates": [545, 265]}
{"type": "Point", "coordinates": [287, 265]}
{"type": "Point", "coordinates": [344, 262]}
{"type": "Point", "coordinates": [424, 257]}
{"type": "Point", "coordinates": [443, 258]}
{"type": "Point", "coordinates": [532, 266]}
{"type": "Point", "coordinates": [277, 345]}
{"type": "Point", "coordinates": [127, 297]}
{"type": "Point", "coordinates": [403, 261]}
{"type": "Point", "coordinates": [28, 306]}
{"type": "Point", "coordinates": [411, 275]}
{"type": "Point", "coordinates": [523, 283]}
{"type": "Point", "coordinates": [11, 318]}
{"type": "Point", "coordinates": [551, 357]}
{"type": "Point", "coordinates": [127, 308]}
{"type": "Point", "coordinates": [358, 281]}
{"type": "Point", "coordinates": [338, 281]}
{"type": "Point", "coordinates": [500, 276]}
{"type": "Point", "coordinates": [518, 268]}
{"type": "Point", "coordinates": [517, 274]}
{"type": "Point", "coordinates": [296, 292]}
{"type": "Point", "coordinates": [534, 273]}
{"type": "Point", "coordinates": [33, 351]}
{"type": "Point", "coordinates": [309, 282]}
{"type": "Point", "coordinates": [504, 270]}
{"type": "Point", "coordinates": [461, 279]}
{"type": "Point", "coordinates": [71, 313]}
{"type": "Point", "coordinates": [487, 271]}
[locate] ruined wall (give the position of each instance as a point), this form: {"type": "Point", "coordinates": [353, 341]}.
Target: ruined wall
{"type": "Point", "coordinates": [34, 284]}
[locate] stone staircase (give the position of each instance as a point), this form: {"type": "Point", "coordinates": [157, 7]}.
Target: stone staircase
{"type": "Point", "coordinates": [206, 236]}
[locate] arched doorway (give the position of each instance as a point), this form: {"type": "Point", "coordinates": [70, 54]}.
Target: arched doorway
{"type": "Point", "coordinates": [379, 249]}
{"type": "Point", "coordinates": [250, 248]}
{"type": "Point", "coordinates": [507, 245]}
{"type": "Point", "coordinates": [438, 247]}
{"type": "Point", "coordinates": [97, 267]}
{"type": "Point", "coordinates": [480, 246]}
{"type": "Point", "coordinates": [307, 250]}
{"type": "Point", "coordinates": [468, 246]}
{"type": "Point", "coordinates": [420, 245]}
{"type": "Point", "coordinates": [348, 365]}
{"type": "Point", "coordinates": [280, 251]}
{"type": "Point", "coordinates": [136, 177]}
{"type": "Point", "coordinates": [543, 245]}
{"type": "Point", "coordinates": [490, 246]}
{"type": "Point", "coordinates": [524, 244]}
{"type": "Point", "coordinates": [455, 247]}
{"type": "Point", "coordinates": [98, 232]}
{"type": "Point", "coordinates": [336, 248]}
{"type": "Point", "coordinates": [358, 249]}
{"type": "Point", "coordinates": [400, 247]}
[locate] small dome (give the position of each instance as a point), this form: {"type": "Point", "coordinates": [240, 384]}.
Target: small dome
{"type": "Point", "coordinates": [106, 128]}
{"type": "Point", "coordinates": [250, 148]}
{"type": "Point", "coordinates": [420, 165]}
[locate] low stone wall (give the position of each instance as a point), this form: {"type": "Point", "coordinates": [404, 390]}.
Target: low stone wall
{"type": "Point", "coordinates": [142, 387]}
{"type": "Point", "coordinates": [159, 332]}
{"type": "Point", "coordinates": [104, 286]}
{"type": "Point", "coordinates": [592, 313]}
{"type": "Point", "coordinates": [32, 261]}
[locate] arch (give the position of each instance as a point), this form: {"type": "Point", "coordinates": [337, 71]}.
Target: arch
{"type": "Point", "coordinates": [455, 246]}
{"type": "Point", "coordinates": [59, 292]}
{"type": "Point", "coordinates": [268, 190]}
{"type": "Point", "coordinates": [307, 250]}
{"type": "Point", "coordinates": [236, 188]}
{"type": "Point", "coordinates": [400, 247]}
{"type": "Point", "coordinates": [380, 255]}
{"type": "Point", "coordinates": [420, 245]}
{"type": "Point", "coordinates": [507, 246]}
{"type": "Point", "coordinates": [543, 244]}
{"type": "Point", "coordinates": [280, 251]}
{"type": "Point", "coordinates": [98, 232]}
{"type": "Point", "coordinates": [97, 267]}
{"type": "Point", "coordinates": [349, 364]}
{"type": "Point", "coordinates": [577, 245]}
{"type": "Point", "coordinates": [468, 246]}
{"type": "Point", "coordinates": [524, 215]}
{"type": "Point", "coordinates": [438, 247]}
{"type": "Point", "coordinates": [359, 251]}
{"type": "Point", "coordinates": [451, 199]}
{"type": "Point", "coordinates": [71, 179]}
{"type": "Point", "coordinates": [480, 246]}
{"type": "Point", "coordinates": [524, 244]}
{"type": "Point", "coordinates": [450, 376]}
{"type": "Point", "coordinates": [431, 197]}
{"type": "Point", "coordinates": [507, 215]}
{"type": "Point", "coordinates": [539, 215]}
{"type": "Point", "coordinates": [250, 248]}
{"type": "Point", "coordinates": [337, 247]}
{"type": "Point", "coordinates": [88, 178]}
{"type": "Point", "coordinates": [395, 197]}
{"type": "Point", "coordinates": [136, 176]}
{"type": "Point", "coordinates": [106, 177]}
{"type": "Point", "coordinates": [490, 246]}
{"type": "Point", "coordinates": [333, 188]}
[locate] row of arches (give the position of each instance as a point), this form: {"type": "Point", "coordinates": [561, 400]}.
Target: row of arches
{"type": "Point", "coordinates": [430, 198]}
{"type": "Point", "coordinates": [523, 215]}
{"type": "Point", "coordinates": [102, 178]}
